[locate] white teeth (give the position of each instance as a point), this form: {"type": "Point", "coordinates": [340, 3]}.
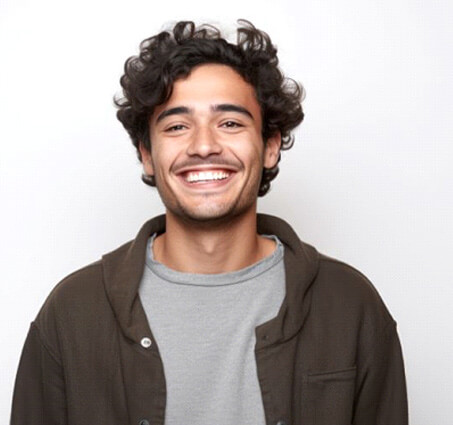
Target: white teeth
{"type": "Point", "coordinates": [206, 176]}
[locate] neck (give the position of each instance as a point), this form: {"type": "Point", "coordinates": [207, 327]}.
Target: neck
{"type": "Point", "coordinates": [208, 247]}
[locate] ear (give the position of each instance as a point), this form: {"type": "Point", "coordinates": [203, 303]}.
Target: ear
{"type": "Point", "coordinates": [146, 159]}
{"type": "Point", "coordinates": [272, 150]}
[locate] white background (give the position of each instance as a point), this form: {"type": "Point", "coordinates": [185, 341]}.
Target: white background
{"type": "Point", "coordinates": [369, 179]}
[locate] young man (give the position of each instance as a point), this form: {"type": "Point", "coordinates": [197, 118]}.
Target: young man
{"type": "Point", "coordinates": [213, 314]}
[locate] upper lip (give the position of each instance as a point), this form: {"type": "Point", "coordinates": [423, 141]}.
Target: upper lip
{"type": "Point", "coordinates": [206, 168]}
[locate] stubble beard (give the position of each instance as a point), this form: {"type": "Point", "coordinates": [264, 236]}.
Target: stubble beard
{"type": "Point", "coordinates": [214, 216]}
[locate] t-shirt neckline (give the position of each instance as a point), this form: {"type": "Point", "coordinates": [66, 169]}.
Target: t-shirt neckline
{"type": "Point", "coordinates": [213, 279]}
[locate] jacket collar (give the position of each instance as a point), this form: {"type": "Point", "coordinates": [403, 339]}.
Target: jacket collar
{"type": "Point", "coordinates": [123, 269]}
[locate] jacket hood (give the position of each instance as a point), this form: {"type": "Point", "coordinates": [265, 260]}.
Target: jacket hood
{"type": "Point", "coordinates": [123, 270]}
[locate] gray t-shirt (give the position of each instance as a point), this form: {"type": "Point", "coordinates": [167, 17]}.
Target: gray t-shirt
{"type": "Point", "coordinates": [204, 326]}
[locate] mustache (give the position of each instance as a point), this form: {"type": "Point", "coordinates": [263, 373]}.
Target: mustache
{"type": "Point", "coordinates": [195, 162]}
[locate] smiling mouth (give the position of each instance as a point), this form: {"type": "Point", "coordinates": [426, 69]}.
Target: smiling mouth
{"type": "Point", "coordinates": [206, 178]}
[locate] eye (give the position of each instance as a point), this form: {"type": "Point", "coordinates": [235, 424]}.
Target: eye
{"type": "Point", "coordinates": [176, 127]}
{"type": "Point", "coordinates": [231, 124]}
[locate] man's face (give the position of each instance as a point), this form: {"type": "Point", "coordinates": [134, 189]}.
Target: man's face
{"type": "Point", "coordinates": [207, 151]}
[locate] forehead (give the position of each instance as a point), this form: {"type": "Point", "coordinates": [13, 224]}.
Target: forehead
{"type": "Point", "coordinates": [211, 84]}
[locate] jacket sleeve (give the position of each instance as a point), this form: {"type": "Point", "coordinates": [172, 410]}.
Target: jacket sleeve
{"type": "Point", "coordinates": [39, 393]}
{"type": "Point", "coordinates": [381, 397]}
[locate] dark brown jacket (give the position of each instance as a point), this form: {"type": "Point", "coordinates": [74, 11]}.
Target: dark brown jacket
{"type": "Point", "coordinates": [331, 356]}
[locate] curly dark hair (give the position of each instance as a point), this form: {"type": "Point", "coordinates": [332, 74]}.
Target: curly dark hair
{"type": "Point", "coordinates": [149, 77]}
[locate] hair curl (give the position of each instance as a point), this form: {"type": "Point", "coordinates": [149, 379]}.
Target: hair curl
{"type": "Point", "coordinates": [149, 77]}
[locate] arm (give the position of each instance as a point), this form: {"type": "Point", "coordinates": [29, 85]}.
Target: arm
{"type": "Point", "coordinates": [39, 393]}
{"type": "Point", "coordinates": [381, 397]}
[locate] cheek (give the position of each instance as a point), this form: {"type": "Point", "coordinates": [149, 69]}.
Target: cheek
{"type": "Point", "coordinates": [164, 160]}
{"type": "Point", "coordinates": [256, 154]}
{"type": "Point", "coordinates": [249, 149]}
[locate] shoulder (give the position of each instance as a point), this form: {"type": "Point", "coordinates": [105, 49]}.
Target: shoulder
{"type": "Point", "coordinates": [81, 285]}
{"type": "Point", "coordinates": [345, 292]}
{"type": "Point", "coordinates": [78, 297]}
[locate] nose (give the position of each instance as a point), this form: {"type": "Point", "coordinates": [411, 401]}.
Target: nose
{"type": "Point", "coordinates": [204, 142]}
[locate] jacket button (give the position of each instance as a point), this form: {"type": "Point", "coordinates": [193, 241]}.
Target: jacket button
{"type": "Point", "coordinates": [281, 423]}
{"type": "Point", "coordinates": [145, 343]}
{"type": "Point", "coordinates": [143, 422]}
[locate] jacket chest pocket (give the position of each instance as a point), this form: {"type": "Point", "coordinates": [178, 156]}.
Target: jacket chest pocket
{"type": "Point", "coordinates": [328, 397]}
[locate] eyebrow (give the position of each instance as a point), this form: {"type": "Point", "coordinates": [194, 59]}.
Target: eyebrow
{"type": "Point", "coordinates": [222, 107]}
{"type": "Point", "coordinates": [229, 107]}
{"type": "Point", "coordinates": [173, 111]}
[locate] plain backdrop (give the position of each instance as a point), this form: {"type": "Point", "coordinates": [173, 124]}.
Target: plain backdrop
{"type": "Point", "coordinates": [369, 179]}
